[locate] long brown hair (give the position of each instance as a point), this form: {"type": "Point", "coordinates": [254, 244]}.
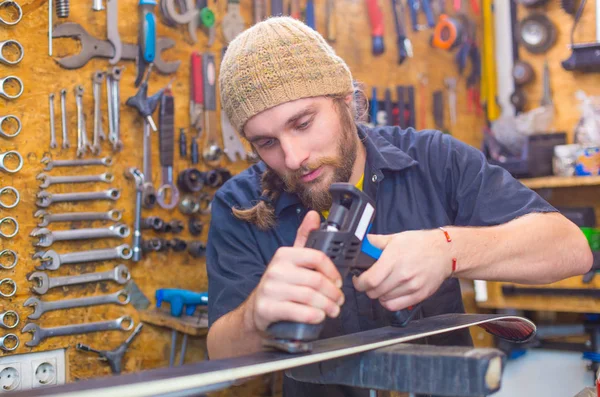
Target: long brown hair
{"type": "Point", "coordinates": [262, 214]}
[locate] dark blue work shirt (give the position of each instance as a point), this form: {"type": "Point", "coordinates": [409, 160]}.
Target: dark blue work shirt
{"type": "Point", "coordinates": [418, 180]}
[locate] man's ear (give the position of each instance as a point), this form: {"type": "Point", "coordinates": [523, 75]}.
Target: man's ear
{"type": "Point", "coordinates": [348, 99]}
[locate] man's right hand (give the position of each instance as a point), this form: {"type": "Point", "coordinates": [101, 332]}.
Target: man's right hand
{"type": "Point", "coordinates": [300, 284]}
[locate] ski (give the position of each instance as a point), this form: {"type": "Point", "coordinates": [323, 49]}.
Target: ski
{"type": "Point", "coordinates": [212, 375]}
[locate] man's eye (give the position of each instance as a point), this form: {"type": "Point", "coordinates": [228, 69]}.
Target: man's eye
{"type": "Point", "coordinates": [304, 125]}
{"type": "Point", "coordinates": [264, 143]}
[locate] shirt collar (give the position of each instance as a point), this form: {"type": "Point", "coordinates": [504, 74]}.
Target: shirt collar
{"type": "Point", "coordinates": [381, 155]}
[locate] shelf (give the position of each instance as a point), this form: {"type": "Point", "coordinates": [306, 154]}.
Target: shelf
{"type": "Point", "coordinates": [548, 182]}
{"type": "Point", "coordinates": [196, 325]}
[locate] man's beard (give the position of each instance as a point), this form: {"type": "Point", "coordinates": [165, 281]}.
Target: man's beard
{"type": "Point", "coordinates": [315, 195]}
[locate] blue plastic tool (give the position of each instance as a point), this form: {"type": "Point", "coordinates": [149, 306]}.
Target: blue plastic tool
{"type": "Point", "coordinates": [181, 299]}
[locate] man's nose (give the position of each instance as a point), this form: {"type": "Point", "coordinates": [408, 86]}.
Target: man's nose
{"type": "Point", "coordinates": [295, 154]}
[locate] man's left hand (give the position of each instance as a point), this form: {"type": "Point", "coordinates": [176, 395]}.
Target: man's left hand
{"type": "Point", "coordinates": [411, 268]}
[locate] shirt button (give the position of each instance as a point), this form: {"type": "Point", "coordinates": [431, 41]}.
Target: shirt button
{"type": "Point", "coordinates": [374, 178]}
{"type": "Point", "coordinates": [298, 210]}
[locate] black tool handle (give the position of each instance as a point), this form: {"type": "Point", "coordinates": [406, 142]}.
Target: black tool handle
{"type": "Point", "coordinates": [166, 129]}
{"type": "Point", "coordinates": [401, 107]}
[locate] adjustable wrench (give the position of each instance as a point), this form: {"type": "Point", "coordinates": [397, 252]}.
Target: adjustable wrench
{"type": "Point", "coordinates": [82, 140]}
{"type": "Point", "coordinates": [97, 80]}
{"type": "Point", "coordinates": [106, 161]}
{"type": "Point", "coordinates": [47, 237]}
{"type": "Point", "coordinates": [92, 47]}
{"type": "Point", "coordinates": [120, 274]}
{"type": "Point", "coordinates": [47, 218]}
{"type": "Point", "coordinates": [52, 261]}
{"type": "Point", "coordinates": [112, 30]}
{"type": "Point", "coordinates": [45, 199]}
{"type": "Point", "coordinates": [39, 333]}
{"type": "Point", "coordinates": [114, 108]}
{"type": "Point", "coordinates": [48, 180]}
{"type": "Point", "coordinates": [40, 307]}
{"type": "Point", "coordinates": [167, 145]}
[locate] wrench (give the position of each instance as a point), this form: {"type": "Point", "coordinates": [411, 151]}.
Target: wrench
{"type": "Point", "coordinates": [97, 80]}
{"type": "Point", "coordinates": [11, 153]}
{"type": "Point", "coordinates": [6, 94]}
{"type": "Point", "coordinates": [148, 192]}
{"type": "Point", "coordinates": [9, 190]}
{"type": "Point", "coordinates": [63, 116]}
{"type": "Point", "coordinates": [45, 199]}
{"type": "Point", "coordinates": [114, 105]}
{"type": "Point", "coordinates": [12, 337]}
{"type": "Point", "coordinates": [52, 261]}
{"type": "Point", "coordinates": [92, 47]}
{"type": "Point", "coordinates": [231, 141]}
{"type": "Point", "coordinates": [39, 333]}
{"type": "Point", "coordinates": [53, 144]}
{"type": "Point", "coordinates": [14, 287]}
{"type": "Point", "coordinates": [106, 161]}
{"type": "Point", "coordinates": [47, 237]}
{"type": "Point", "coordinates": [112, 30]}
{"type": "Point", "coordinates": [135, 175]}
{"type": "Point", "coordinates": [82, 139]}
{"type": "Point", "coordinates": [4, 119]}
{"type": "Point", "coordinates": [15, 5]}
{"type": "Point", "coordinates": [8, 44]}
{"type": "Point", "coordinates": [47, 218]}
{"type": "Point", "coordinates": [120, 274]}
{"type": "Point", "coordinates": [9, 314]}
{"type": "Point", "coordinates": [166, 145]}
{"type": "Point", "coordinates": [48, 180]}
{"type": "Point", "coordinates": [40, 307]}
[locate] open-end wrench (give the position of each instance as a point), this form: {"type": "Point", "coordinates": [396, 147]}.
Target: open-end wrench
{"type": "Point", "coordinates": [97, 79]}
{"type": "Point", "coordinates": [63, 116]}
{"type": "Point", "coordinates": [48, 180]}
{"type": "Point", "coordinates": [112, 30]}
{"type": "Point", "coordinates": [52, 260]}
{"type": "Point", "coordinates": [92, 47]}
{"type": "Point", "coordinates": [45, 198]}
{"type": "Point", "coordinates": [148, 191]}
{"type": "Point", "coordinates": [167, 145]}
{"type": "Point", "coordinates": [120, 274]}
{"type": "Point", "coordinates": [105, 161]}
{"type": "Point", "coordinates": [82, 140]}
{"type": "Point", "coordinates": [231, 141]}
{"type": "Point", "coordinates": [124, 323]}
{"type": "Point", "coordinates": [114, 104]}
{"type": "Point", "coordinates": [47, 218]}
{"type": "Point", "coordinates": [138, 178]}
{"type": "Point", "coordinates": [53, 144]}
{"type": "Point", "coordinates": [40, 307]}
{"type": "Point", "coordinates": [47, 237]}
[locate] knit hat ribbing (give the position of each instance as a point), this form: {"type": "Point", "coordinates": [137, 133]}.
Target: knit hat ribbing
{"type": "Point", "coordinates": [275, 61]}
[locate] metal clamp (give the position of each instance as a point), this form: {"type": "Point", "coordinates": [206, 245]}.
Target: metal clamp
{"type": "Point", "coordinates": [3, 91]}
{"type": "Point", "coordinates": [8, 281]}
{"type": "Point", "coordinates": [4, 119]}
{"type": "Point", "coordinates": [9, 3]}
{"type": "Point", "coordinates": [10, 153]}
{"type": "Point", "coordinates": [12, 253]}
{"type": "Point", "coordinates": [9, 190]}
{"type": "Point", "coordinates": [9, 43]}
{"type": "Point", "coordinates": [9, 313]}
{"type": "Point", "coordinates": [8, 219]}
{"type": "Point", "coordinates": [12, 337]}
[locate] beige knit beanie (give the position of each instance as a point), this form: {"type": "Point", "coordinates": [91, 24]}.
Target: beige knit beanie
{"type": "Point", "coordinates": [275, 61]}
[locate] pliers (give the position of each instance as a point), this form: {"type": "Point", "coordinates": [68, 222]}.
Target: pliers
{"type": "Point", "coordinates": [414, 7]}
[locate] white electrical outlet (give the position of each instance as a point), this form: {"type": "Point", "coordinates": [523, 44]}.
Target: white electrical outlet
{"type": "Point", "coordinates": [33, 370]}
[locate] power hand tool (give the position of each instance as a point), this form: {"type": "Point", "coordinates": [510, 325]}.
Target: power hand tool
{"type": "Point", "coordinates": [343, 237]}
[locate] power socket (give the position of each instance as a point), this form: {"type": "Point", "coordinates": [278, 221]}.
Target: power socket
{"type": "Point", "coordinates": [33, 370]}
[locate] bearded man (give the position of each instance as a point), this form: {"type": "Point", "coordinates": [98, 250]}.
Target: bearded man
{"type": "Point", "coordinates": [285, 90]}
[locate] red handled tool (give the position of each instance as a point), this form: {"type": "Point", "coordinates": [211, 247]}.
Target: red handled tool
{"type": "Point", "coordinates": [196, 93]}
{"type": "Point", "coordinates": [376, 18]}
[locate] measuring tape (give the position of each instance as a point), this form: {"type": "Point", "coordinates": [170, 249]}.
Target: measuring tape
{"type": "Point", "coordinates": [448, 33]}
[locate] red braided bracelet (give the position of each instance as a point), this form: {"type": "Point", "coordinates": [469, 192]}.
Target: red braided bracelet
{"type": "Point", "coordinates": [448, 239]}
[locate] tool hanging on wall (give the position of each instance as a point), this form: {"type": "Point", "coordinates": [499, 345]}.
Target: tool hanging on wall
{"type": "Point", "coordinates": [146, 38]}
{"type": "Point", "coordinates": [584, 57]}
{"type": "Point", "coordinates": [211, 152]}
{"type": "Point", "coordinates": [438, 110]}
{"type": "Point", "coordinates": [309, 14]}
{"type": "Point", "coordinates": [537, 33]}
{"type": "Point", "coordinates": [448, 33]}
{"type": "Point", "coordinates": [489, 68]}
{"type": "Point", "coordinates": [406, 106]}
{"type": "Point", "coordinates": [376, 20]}
{"type": "Point", "coordinates": [233, 23]}
{"type": "Point", "coordinates": [404, 45]}
{"type": "Point", "coordinates": [415, 6]}
{"type": "Point", "coordinates": [330, 17]}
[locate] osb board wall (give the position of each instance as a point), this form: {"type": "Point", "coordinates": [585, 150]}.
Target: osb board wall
{"type": "Point", "coordinates": [41, 76]}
